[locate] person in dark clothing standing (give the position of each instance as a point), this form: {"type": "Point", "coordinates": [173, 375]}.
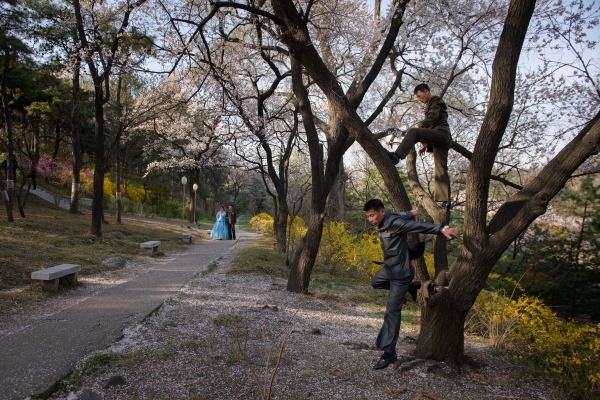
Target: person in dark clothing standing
{"type": "Point", "coordinates": [393, 228]}
{"type": "Point", "coordinates": [231, 221]}
{"type": "Point", "coordinates": [434, 134]}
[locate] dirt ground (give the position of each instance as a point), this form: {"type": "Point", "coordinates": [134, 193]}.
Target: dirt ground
{"type": "Point", "coordinates": [228, 336]}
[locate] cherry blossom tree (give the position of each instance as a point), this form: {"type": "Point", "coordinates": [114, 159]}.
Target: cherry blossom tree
{"type": "Point", "coordinates": [476, 54]}
{"type": "Point", "coordinates": [185, 134]}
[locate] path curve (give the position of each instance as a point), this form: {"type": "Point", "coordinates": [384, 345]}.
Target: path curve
{"type": "Point", "coordinates": [35, 358]}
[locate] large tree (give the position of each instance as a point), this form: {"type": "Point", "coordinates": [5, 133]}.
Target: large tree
{"type": "Point", "coordinates": [444, 306]}
{"type": "Point", "coordinates": [101, 28]}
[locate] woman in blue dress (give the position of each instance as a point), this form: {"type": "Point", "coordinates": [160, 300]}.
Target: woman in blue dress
{"type": "Point", "coordinates": [219, 229]}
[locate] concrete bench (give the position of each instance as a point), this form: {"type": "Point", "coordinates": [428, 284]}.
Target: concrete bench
{"type": "Point", "coordinates": [187, 238]}
{"type": "Point", "coordinates": [50, 276]}
{"type": "Point", "coordinates": [151, 247]}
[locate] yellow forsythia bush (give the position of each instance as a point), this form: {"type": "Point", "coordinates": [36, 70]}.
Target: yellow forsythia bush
{"type": "Point", "coordinates": [262, 222]}
{"type": "Point", "coordinates": [135, 193]}
{"type": "Point", "coordinates": [109, 188]}
{"type": "Point", "coordinates": [366, 250]}
{"type": "Point", "coordinates": [342, 250]}
{"type": "Point", "coordinates": [86, 180]}
{"type": "Point", "coordinates": [566, 351]}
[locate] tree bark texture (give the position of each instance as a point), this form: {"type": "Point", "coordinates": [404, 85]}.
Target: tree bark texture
{"type": "Point", "coordinates": [445, 341]}
{"type": "Point", "coordinates": [336, 209]}
{"type": "Point", "coordinates": [295, 36]}
{"type": "Point", "coordinates": [305, 256]}
{"type": "Point", "coordinates": [118, 201]}
{"type": "Point", "coordinates": [98, 196]}
{"type": "Point", "coordinates": [280, 223]}
{"type": "Point", "coordinates": [76, 137]}
{"type": "Point", "coordinates": [10, 157]}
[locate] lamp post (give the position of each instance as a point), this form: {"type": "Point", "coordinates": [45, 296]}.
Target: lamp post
{"type": "Point", "coordinates": [183, 182]}
{"type": "Point", "coordinates": [195, 187]}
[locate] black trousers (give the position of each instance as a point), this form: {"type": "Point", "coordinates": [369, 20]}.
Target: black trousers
{"type": "Point", "coordinates": [390, 330]}
{"type": "Point", "coordinates": [231, 229]}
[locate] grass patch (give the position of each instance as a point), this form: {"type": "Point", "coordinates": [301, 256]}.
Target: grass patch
{"type": "Point", "coordinates": [210, 268]}
{"type": "Point", "coordinates": [259, 257]}
{"type": "Point", "coordinates": [193, 343]}
{"type": "Point", "coordinates": [96, 362]}
{"type": "Point", "coordinates": [228, 320]}
{"type": "Point", "coordinates": [50, 236]}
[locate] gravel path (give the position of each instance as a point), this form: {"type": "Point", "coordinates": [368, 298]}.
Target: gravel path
{"type": "Point", "coordinates": [38, 350]}
{"type": "Point", "coordinates": [226, 336]}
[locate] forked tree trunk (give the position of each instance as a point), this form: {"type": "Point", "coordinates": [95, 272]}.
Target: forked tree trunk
{"type": "Point", "coordinates": [322, 179]}
{"type": "Point", "coordinates": [443, 313]}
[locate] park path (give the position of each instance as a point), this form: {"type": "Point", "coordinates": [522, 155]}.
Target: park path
{"type": "Point", "coordinates": [35, 358]}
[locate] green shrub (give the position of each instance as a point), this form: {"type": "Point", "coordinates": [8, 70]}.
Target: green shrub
{"type": "Point", "coordinates": [567, 352]}
{"type": "Point", "coordinates": [169, 208]}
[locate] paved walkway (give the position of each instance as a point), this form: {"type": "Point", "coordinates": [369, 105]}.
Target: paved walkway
{"type": "Point", "coordinates": [33, 359]}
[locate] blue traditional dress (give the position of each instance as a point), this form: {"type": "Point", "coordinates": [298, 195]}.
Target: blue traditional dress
{"type": "Point", "coordinates": [219, 229]}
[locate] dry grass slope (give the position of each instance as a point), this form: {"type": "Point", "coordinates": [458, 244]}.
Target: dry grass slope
{"type": "Point", "coordinates": [49, 236]}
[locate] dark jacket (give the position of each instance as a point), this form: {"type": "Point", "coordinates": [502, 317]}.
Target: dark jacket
{"type": "Point", "coordinates": [436, 115]}
{"type": "Point", "coordinates": [231, 217]}
{"type": "Point", "coordinates": [392, 236]}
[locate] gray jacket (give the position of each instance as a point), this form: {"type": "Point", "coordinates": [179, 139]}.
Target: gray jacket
{"type": "Point", "coordinates": [392, 236]}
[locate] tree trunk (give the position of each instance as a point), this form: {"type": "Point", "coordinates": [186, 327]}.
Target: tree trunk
{"type": "Point", "coordinates": [441, 313]}
{"type": "Point", "coordinates": [481, 250]}
{"type": "Point", "coordinates": [76, 138]}
{"type": "Point", "coordinates": [336, 210]}
{"type": "Point", "coordinates": [101, 96]}
{"type": "Point", "coordinates": [280, 224]}
{"type": "Point", "coordinates": [10, 157]}
{"type": "Point", "coordinates": [323, 177]}
{"type": "Point", "coordinates": [36, 152]}
{"type": "Point", "coordinates": [56, 141]}
{"type": "Point", "coordinates": [97, 198]}
{"type": "Point", "coordinates": [118, 200]}
{"type": "Point", "coordinates": [305, 256]}
{"type": "Point", "coordinates": [297, 39]}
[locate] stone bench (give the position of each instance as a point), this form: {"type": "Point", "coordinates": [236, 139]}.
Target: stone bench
{"type": "Point", "coordinates": [151, 247]}
{"type": "Point", "coordinates": [187, 238]}
{"type": "Point", "coordinates": [50, 276]}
